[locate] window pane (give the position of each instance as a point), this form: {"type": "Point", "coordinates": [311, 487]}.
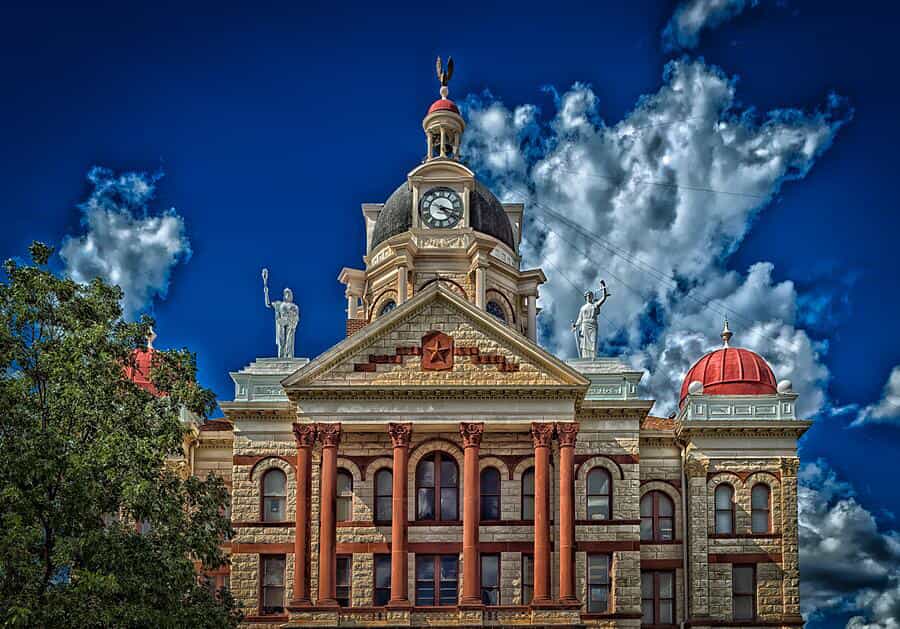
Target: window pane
{"type": "Point", "coordinates": [759, 497]}
{"type": "Point", "coordinates": [382, 571]}
{"type": "Point", "coordinates": [449, 566]}
{"type": "Point", "coordinates": [598, 569]}
{"type": "Point", "coordinates": [343, 509]}
{"type": "Point", "coordinates": [647, 611]}
{"type": "Point", "coordinates": [448, 503]}
{"type": "Point", "coordinates": [384, 483]}
{"type": "Point", "coordinates": [723, 497]}
{"type": "Point", "coordinates": [383, 508]}
{"type": "Point", "coordinates": [597, 601]}
{"type": "Point", "coordinates": [382, 596]}
{"type": "Point", "coordinates": [424, 594]}
{"type": "Point", "coordinates": [527, 569]}
{"type": "Point", "coordinates": [273, 598]}
{"type": "Point", "coordinates": [274, 483]}
{"type": "Point", "coordinates": [490, 507]}
{"type": "Point", "coordinates": [490, 570]}
{"type": "Point", "coordinates": [760, 521]}
{"type": "Point", "coordinates": [448, 593]}
{"type": "Point", "coordinates": [742, 578]}
{"type": "Point", "coordinates": [425, 474]}
{"type": "Point", "coordinates": [490, 481]}
{"type": "Point", "coordinates": [527, 508]}
{"type": "Point", "coordinates": [598, 508]}
{"type": "Point", "coordinates": [425, 504]}
{"type": "Point", "coordinates": [666, 529]}
{"type": "Point", "coordinates": [646, 585]}
{"type": "Point", "coordinates": [490, 596]}
{"type": "Point", "coordinates": [273, 571]}
{"type": "Point", "coordinates": [598, 482]}
{"type": "Point", "coordinates": [743, 608]}
{"type": "Point", "coordinates": [647, 505]}
{"type": "Point", "coordinates": [723, 521]}
{"type": "Point", "coordinates": [528, 482]}
{"type": "Point", "coordinates": [665, 585]}
{"type": "Point", "coordinates": [273, 509]}
{"type": "Point", "coordinates": [646, 528]}
{"type": "Point", "coordinates": [425, 568]}
{"type": "Point", "coordinates": [448, 474]}
{"type": "Point", "coordinates": [344, 483]}
{"type": "Point", "coordinates": [665, 505]}
{"type": "Point", "coordinates": [342, 576]}
{"type": "Point", "coordinates": [665, 612]}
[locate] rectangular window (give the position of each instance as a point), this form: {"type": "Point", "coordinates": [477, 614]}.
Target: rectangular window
{"type": "Point", "coordinates": [383, 508]}
{"type": "Point", "coordinates": [272, 585]}
{"type": "Point", "coordinates": [490, 507]}
{"type": "Point", "coordinates": [527, 578]}
{"type": "Point", "coordinates": [382, 594]}
{"type": "Point", "coordinates": [598, 583]}
{"type": "Point", "coordinates": [658, 597]}
{"type": "Point", "coordinates": [490, 579]}
{"type": "Point", "coordinates": [743, 582]}
{"type": "Point", "coordinates": [437, 579]}
{"type": "Point", "coordinates": [343, 578]}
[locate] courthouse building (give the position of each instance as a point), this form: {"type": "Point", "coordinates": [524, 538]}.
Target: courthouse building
{"type": "Point", "coordinates": [438, 468]}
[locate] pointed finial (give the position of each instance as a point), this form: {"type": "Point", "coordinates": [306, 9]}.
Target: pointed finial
{"type": "Point", "coordinates": [444, 76]}
{"type": "Point", "coordinates": [726, 334]}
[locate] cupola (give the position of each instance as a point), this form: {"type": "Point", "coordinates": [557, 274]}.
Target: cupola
{"type": "Point", "coordinates": [143, 361]}
{"type": "Point", "coordinates": [729, 371]}
{"type": "Point", "coordinates": [443, 125]}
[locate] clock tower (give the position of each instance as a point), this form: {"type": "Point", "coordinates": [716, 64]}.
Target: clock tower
{"type": "Point", "coordinates": [443, 226]}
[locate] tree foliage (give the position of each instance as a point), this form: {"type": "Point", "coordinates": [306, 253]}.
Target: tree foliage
{"type": "Point", "coordinates": [87, 455]}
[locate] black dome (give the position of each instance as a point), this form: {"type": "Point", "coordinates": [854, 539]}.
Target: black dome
{"type": "Point", "coordinates": [485, 213]}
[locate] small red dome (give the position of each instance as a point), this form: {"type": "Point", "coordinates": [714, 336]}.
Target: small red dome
{"type": "Point", "coordinates": [140, 373]}
{"type": "Point", "coordinates": [443, 104]}
{"type": "Point", "coordinates": [731, 371]}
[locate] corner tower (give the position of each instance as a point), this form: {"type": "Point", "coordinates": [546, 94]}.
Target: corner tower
{"type": "Point", "coordinates": [443, 226]}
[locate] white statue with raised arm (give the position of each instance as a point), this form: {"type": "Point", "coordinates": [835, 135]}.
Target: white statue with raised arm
{"type": "Point", "coordinates": [287, 316]}
{"type": "Point", "coordinates": [585, 326]}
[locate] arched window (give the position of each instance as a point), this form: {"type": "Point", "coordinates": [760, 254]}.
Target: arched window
{"type": "Point", "coordinates": [724, 498]}
{"type": "Point", "coordinates": [528, 494]}
{"type": "Point", "coordinates": [657, 517]}
{"type": "Point", "coordinates": [437, 488]}
{"type": "Point", "coordinates": [760, 500]}
{"type": "Point", "coordinates": [389, 305]}
{"type": "Point", "coordinates": [495, 309]}
{"type": "Point", "coordinates": [599, 491]}
{"type": "Point", "coordinates": [344, 496]}
{"type": "Point", "coordinates": [384, 494]}
{"type": "Point", "coordinates": [490, 494]}
{"type": "Point", "coordinates": [274, 484]}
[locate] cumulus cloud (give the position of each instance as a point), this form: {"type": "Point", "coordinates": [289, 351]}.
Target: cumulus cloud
{"type": "Point", "coordinates": [887, 409]}
{"type": "Point", "coordinates": [124, 243]}
{"type": "Point", "coordinates": [693, 16]}
{"type": "Point", "coordinates": [847, 563]}
{"type": "Point", "coordinates": [655, 204]}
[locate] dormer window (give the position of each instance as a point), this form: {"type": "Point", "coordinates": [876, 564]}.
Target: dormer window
{"type": "Point", "coordinates": [496, 310]}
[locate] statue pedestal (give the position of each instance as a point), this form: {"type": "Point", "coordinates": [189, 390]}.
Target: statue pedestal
{"type": "Point", "coordinates": [260, 381]}
{"type": "Point", "coordinates": [611, 379]}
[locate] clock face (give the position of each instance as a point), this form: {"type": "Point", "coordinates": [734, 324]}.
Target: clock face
{"type": "Point", "coordinates": [441, 207]}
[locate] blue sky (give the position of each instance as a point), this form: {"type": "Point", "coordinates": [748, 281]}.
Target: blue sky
{"type": "Point", "coordinates": [271, 125]}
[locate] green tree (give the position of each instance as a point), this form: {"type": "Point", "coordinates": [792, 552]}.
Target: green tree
{"type": "Point", "coordinates": [85, 455]}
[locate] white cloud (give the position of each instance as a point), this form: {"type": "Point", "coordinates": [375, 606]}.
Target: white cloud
{"type": "Point", "coordinates": [123, 244]}
{"type": "Point", "coordinates": [887, 409]}
{"type": "Point", "coordinates": [646, 187]}
{"type": "Point", "coordinates": [847, 563]}
{"type": "Point", "coordinates": [693, 16]}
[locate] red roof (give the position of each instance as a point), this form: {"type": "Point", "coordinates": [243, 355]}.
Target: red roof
{"type": "Point", "coordinates": [652, 422]}
{"type": "Point", "coordinates": [443, 104]}
{"type": "Point", "coordinates": [140, 373]}
{"type": "Point", "coordinates": [731, 371]}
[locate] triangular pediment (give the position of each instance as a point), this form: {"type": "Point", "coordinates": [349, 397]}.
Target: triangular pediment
{"type": "Point", "coordinates": [436, 340]}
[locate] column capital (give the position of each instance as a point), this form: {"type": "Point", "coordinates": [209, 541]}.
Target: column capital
{"type": "Point", "coordinates": [304, 435]}
{"type": "Point", "coordinates": [471, 433]}
{"type": "Point", "coordinates": [541, 434]}
{"type": "Point", "coordinates": [567, 433]}
{"type": "Point", "coordinates": [329, 434]}
{"type": "Point", "coordinates": [401, 434]}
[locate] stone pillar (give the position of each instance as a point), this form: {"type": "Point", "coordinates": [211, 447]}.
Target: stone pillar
{"type": "Point", "coordinates": [542, 435]}
{"type": "Point", "coordinates": [330, 436]}
{"type": "Point", "coordinates": [695, 470]}
{"type": "Point", "coordinates": [480, 288]}
{"type": "Point", "coordinates": [305, 436]}
{"type": "Point", "coordinates": [401, 284]}
{"type": "Point", "coordinates": [400, 437]}
{"type": "Point", "coordinates": [790, 545]}
{"type": "Point", "coordinates": [471, 434]}
{"type": "Point", "coordinates": [567, 434]}
{"type": "Point", "coordinates": [532, 317]}
{"type": "Point", "coordinates": [351, 306]}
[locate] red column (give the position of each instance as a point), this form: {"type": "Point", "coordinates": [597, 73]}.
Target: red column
{"type": "Point", "coordinates": [330, 435]}
{"type": "Point", "coordinates": [542, 435]}
{"type": "Point", "coordinates": [567, 433]}
{"type": "Point", "coordinates": [471, 435]}
{"type": "Point", "coordinates": [400, 437]}
{"type": "Point", "coordinates": [305, 435]}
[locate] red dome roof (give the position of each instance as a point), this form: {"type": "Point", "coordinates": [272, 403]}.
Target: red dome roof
{"type": "Point", "coordinates": [731, 371]}
{"type": "Point", "coordinates": [140, 373]}
{"type": "Point", "coordinates": [443, 104]}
